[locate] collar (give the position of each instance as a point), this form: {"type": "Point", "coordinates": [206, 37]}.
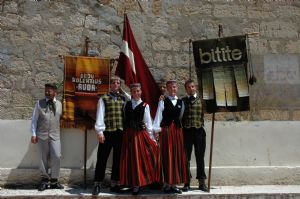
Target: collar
{"type": "Point", "coordinates": [173, 98]}
{"type": "Point", "coordinates": [54, 99]}
{"type": "Point", "coordinates": [136, 101]}
{"type": "Point", "coordinates": [195, 95]}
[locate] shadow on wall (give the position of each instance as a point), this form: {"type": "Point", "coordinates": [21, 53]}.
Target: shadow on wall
{"type": "Point", "coordinates": [19, 164]}
{"type": "Point", "coordinates": [25, 173]}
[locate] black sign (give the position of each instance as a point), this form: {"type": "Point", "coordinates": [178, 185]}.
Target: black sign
{"type": "Point", "coordinates": [223, 51]}
{"type": "Point", "coordinates": [221, 66]}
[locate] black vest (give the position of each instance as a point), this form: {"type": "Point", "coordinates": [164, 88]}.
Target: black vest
{"type": "Point", "coordinates": [134, 117]}
{"type": "Point", "coordinates": [171, 113]}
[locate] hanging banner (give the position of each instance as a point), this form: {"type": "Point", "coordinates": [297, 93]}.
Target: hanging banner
{"type": "Point", "coordinates": [221, 66]}
{"type": "Point", "coordinates": [85, 79]}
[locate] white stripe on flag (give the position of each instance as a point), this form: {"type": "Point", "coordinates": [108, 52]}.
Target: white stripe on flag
{"type": "Point", "coordinates": [129, 54]}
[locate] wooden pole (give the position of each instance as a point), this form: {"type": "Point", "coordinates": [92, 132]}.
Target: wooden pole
{"type": "Point", "coordinates": [87, 41]}
{"type": "Point", "coordinates": [85, 156]}
{"type": "Point", "coordinates": [211, 150]}
{"type": "Point", "coordinates": [220, 34]}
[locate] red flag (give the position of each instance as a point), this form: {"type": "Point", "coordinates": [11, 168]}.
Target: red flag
{"type": "Point", "coordinates": [133, 68]}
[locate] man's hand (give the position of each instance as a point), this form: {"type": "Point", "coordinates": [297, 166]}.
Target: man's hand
{"type": "Point", "coordinates": [101, 138]}
{"type": "Point", "coordinates": [33, 139]}
{"type": "Point", "coordinates": [162, 97]}
{"type": "Point", "coordinates": [156, 136]}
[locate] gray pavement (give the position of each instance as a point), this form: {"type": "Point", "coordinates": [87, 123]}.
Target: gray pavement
{"type": "Point", "coordinates": [292, 190]}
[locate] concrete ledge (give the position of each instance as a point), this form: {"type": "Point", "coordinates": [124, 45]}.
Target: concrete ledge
{"type": "Point", "coordinates": [244, 153]}
{"type": "Point", "coordinates": [221, 176]}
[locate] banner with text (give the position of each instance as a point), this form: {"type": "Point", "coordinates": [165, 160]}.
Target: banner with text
{"type": "Point", "coordinates": [85, 79]}
{"type": "Point", "coordinates": [221, 66]}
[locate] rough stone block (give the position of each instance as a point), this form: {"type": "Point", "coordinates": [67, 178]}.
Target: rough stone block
{"type": "Point", "coordinates": [190, 8]}
{"type": "Point", "coordinates": [5, 96]}
{"type": "Point", "coordinates": [20, 99]}
{"type": "Point", "coordinates": [160, 26]}
{"type": "Point", "coordinates": [9, 21]}
{"type": "Point", "coordinates": [274, 115]}
{"type": "Point", "coordinates": [258, 45]}
{"type": "Point", "coordinates": [260, 14]}
{"type": "Point", "coordinates": [18, 66]}
{"type": "Point", "coordinates": [229, 10]}
{"type": "Point", "coordinates": [43, 77]}
{"type": "Point", "coordinates": [90, 21]}
{"type": "Point", "coordinates": [72, 37]}
{"type": "Point", "coordinates": [58, 21]}
{"type": "Point", "coordinates": [10, 7]}
{"type": "Point", "coordinates": [182, 59]}
{"type": "Point", "coordinates": [278, 29]}
{"type": "Point", "coordinates": [281, 69]}
{"type": "Point", "coordinates": [156, 7]}
{"type": "Point", "coordinates": [276, 46]}
{"type": "Point", "coordinates": [287, 11]}
{"type": "Point", "coordinates": [162, 44]}
{"type": "Point", "coordinates": [110, 51]}
{"type": "Point", "coordinates": [77, 19]}
{"type": "Point", "coordinates": [292, 46]}
{"type": "Point", "coordinates": [159, 59]}
{"type": "Point", "coordinates": [296, 115]}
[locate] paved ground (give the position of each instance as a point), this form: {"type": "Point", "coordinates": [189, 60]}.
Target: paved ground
{"type": "Point", "coordinates": [215, 190]}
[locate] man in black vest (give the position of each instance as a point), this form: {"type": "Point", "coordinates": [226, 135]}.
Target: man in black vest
{"type": "Point", "coordinates": [194, 133]}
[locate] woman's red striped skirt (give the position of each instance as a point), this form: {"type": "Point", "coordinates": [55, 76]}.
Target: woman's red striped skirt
{"type": "Point", "coordinates": [139, 159]}
{"type": "Point", "coordinates": [173, 155]}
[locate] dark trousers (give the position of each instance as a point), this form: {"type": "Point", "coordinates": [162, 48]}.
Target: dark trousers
{"type": "Point", "coordinates": [195, 137]}
{"type": "Point", "coordinates": [112, 140]}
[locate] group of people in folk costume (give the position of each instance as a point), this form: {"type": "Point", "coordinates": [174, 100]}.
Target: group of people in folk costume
{"type": "Point", "coordinates": [158, 152]}
{"type": "Point", "coordinates": [144, 152]}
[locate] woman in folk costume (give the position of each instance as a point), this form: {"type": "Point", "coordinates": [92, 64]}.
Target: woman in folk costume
{"type": "Point", "coordinates": [168, 124]}
{"type": "Point", "coordinates": [139, 154]}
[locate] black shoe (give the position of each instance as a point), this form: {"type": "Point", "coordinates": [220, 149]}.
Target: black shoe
{"type": "Point", "coordinates": [176, 190]}
{"type": "Point", "coordinates": [167, 190]}
{"type": "Point", "coordinates": [43, 186]}
{"type": "Point", "coordinates": [116, 189]}
{"type": "Point", "coordinates": [96, 190]}
{"type": "Point", "coordinates": [203, 187]}
{"type": "Point", "coordinates": [186, 187]}
{"type": "Point", "coordinates": [135, 191]}
{"type": "Point", "coordinates": [56, 185]}
{"type": "Point", "coordinates": [155, 186]}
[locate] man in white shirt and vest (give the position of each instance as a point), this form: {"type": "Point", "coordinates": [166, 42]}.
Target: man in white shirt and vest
{"type": "Point", "coordinates": [45, 129]}
{"type": "Point", "coordinates": [194, 134]}
{"type": "Point", "coordinates": [109, 127]}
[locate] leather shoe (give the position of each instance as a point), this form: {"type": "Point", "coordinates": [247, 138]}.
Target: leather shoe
{"type": "Point", "coordinates": [43, 186]}
{"type": "Point", "coordinates": [203, 187]}
{"type": "Point", "coordinates": [96, 190]}
{"type": "Point", "coordinates": [176, 190]}
{"type": "Point", "coordinates": [186, 187]}
{"type": "Point", "coordinates": [56, 185]}
{"type": "Point", "coordinates": [116, 189]}
{"type": "Point", "coordinates": [167, 190]}
{"type": "Point", "coordinates": [135, 191]}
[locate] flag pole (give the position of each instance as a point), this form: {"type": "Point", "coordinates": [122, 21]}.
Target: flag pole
{"type": "Point", "coordinates": [190, 60]}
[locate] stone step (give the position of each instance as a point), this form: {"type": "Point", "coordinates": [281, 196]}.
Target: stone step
{"type": "Point", "coordinates": [216, 192]}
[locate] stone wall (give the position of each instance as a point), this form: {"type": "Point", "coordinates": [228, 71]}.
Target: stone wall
{"type": "Point", "coordinates": [34, 33]}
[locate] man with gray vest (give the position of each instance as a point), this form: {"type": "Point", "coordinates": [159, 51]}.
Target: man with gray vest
{"type": "Point", "coordinates": [45, 129]}
{"type": "Point", "coordinates": [194, 133]}
{"type": "Point", "coordinates": [109, 127]}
